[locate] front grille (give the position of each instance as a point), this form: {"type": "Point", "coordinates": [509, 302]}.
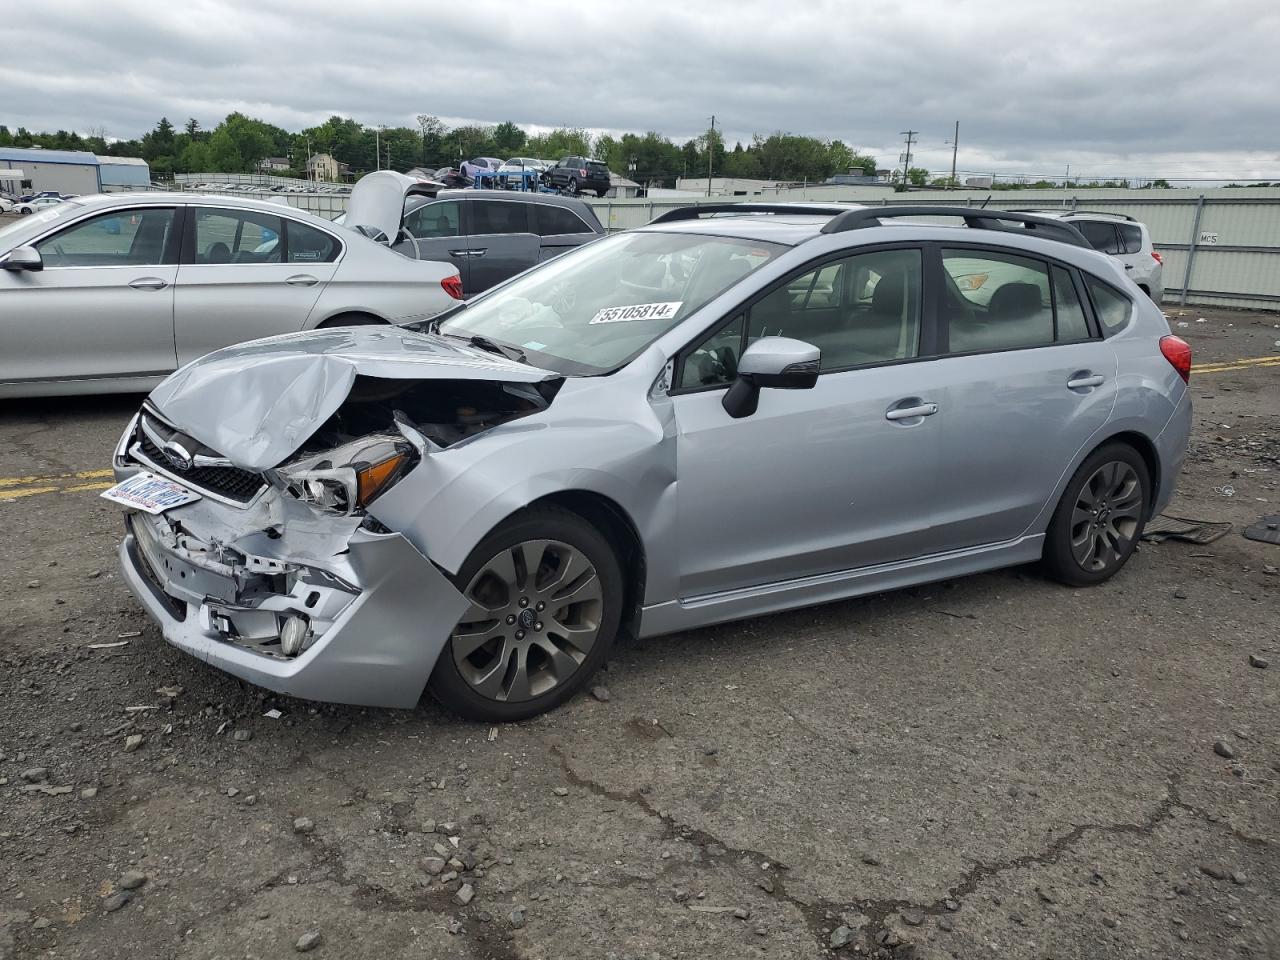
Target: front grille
{"type": "Point", "coordinates": [233, 483]}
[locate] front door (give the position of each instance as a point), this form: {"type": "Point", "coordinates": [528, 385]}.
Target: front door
{"type": "Point", "coordinates": [435, 233]}
{"type": "Point", "coordinates": [832, 478]}
{"type": "Point", "coordinates": [1025, 385]}
{"type": "Point", "coordinates": [101, 307]}
{"type": "Point", "coordinates": [242, 279]}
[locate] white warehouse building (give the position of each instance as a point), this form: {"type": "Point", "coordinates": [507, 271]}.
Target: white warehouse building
{"type": "Point", "coordinates": [69, 171]}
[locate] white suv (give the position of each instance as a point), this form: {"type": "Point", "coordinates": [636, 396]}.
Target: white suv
{"type": "Point", "coordinates": [1124, 238]}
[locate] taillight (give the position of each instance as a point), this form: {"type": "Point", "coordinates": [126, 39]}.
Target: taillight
{"type": "Point", "coordinates": [453, 286]}
{"type": "Point", "coordinates": [1157, 258]}
{"type": "Point", "coordinates": [1178, 352]}
{"type": "Point", "coordinates": [582, 172]}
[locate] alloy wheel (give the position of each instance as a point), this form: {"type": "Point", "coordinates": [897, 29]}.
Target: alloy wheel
{"type": "Point", "coordinates": [1106, 516]}
{"type": "Point", "coordinates": [535, 614]}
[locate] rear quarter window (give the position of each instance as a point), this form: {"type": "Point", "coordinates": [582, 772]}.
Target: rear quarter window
{"type": "Point", "coordinates": [1130, 237]}
{"type": "Point", "coordinates": [1112, 307]}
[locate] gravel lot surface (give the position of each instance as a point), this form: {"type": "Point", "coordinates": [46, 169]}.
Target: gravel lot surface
{"type": "Point", "coordinates": [992, 767]}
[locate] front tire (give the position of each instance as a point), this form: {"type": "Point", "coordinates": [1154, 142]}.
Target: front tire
{"type": "Point", "coordinates": [573, 186]}
{"type": "Point", "coordinates": [546, 593]}
{"type": "Point", "coordinates": [1099, 520]}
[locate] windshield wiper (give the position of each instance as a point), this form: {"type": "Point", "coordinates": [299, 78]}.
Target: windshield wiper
{"type": "Point", "coordinates": [484, 343]}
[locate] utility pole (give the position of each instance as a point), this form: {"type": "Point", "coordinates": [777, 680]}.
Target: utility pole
{"type": "Point", "coordinates": [377, 147]}
{"type": "Point", "coordinates": [955, 145]}
{"type": "Point", "coordinates": [906, 165]}
{"type": "Point", "coordinates": [711, 151]}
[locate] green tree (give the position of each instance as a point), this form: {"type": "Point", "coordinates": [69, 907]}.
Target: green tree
{"type": "Point", "coordinates": [918, 176]}
{"type": "Point", "coordinates": [508, 139]}
{"type": "Point", "coordinates": [561, 142]}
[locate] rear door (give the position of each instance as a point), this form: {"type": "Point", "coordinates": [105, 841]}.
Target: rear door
{"type": "Point", "coordinates": [499, 244]}
{"type": "Point", "coordinates": [1026, 382]}
{"type": "Point", "coordinates": [242, 278]}
{"type": "Point", "coordinates": [101, 307]}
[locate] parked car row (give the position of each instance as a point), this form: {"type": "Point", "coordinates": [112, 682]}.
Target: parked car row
{"type": "Point", "coordinates": [308, 187]}
{"type": "Point", "coordinates": [571, 175]}
{"type": "Point", "coordinates": [481, 504]}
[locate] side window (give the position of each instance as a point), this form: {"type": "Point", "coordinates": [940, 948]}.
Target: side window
{"type": "Point", "coordinates": [556, 221]}
{"type": "Point", "coordinates": [1101, 234]}
{"type": "Point", "coordinates": [433, 220]}
{"type": "Point", "coordinates": [1072, 325]}
{"type": "Point", "coordinates": [860, 310]}
{"type": "Point", "coordinates": [994, 301]}
{"type": "Point", "coordinates": [714, 362]}
{"type": "Point", "coordinates": [1111, 305]}
{"type": "Point", "coordinates": [127, 238]}
{"type": "Point", "coordinates": [309, 245]}
{"type": "Point", "coordinates": [1130, 237]}
{"type": "Point", "coordinates": [237, 236]}
{"type": "Point", "coordinates": [498, 216]}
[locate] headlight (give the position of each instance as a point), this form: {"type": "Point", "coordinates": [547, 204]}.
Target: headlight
{"type": "Point", "coordinates": [348, 478]}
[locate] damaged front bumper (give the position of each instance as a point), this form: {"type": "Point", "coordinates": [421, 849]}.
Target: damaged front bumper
{"type": "Point", "coordinates": [364, 614]}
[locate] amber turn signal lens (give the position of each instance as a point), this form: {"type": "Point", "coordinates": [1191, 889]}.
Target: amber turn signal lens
{"type": "Point", "coordinates": [372, 479]}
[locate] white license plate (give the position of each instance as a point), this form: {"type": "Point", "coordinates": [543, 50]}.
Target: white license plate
{"type": "Point", "coordinates": [150, 494]}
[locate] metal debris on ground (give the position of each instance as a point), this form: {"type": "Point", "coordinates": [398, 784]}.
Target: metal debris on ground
{"type": "Point", "coordinates": [1165, 527]}
{"type": "Point", "coordinates": [273, 714]}
{"type": "Point", "coordinates": [108, 646]}
{"type": "Point", "coordinates": [493, 734]}
{"type": "Point", "coordinates": [129, 634]}
{"type": "Point", "coordinates": [1266, 530]}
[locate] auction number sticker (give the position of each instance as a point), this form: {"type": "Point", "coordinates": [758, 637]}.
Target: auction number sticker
{"type": "Point", "coordinates": [638, 311]}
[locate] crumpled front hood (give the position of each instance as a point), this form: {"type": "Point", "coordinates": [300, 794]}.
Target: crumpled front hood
{"type": "Point", "coordinates": [377, 201]}
{"type": "Point", "coordinates": [258, 402]}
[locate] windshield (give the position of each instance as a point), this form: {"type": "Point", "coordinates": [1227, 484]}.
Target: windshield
{"type": "Point", "coordinates": [43, 214]}
{"type": "Point", "coordinates": [597, 307]}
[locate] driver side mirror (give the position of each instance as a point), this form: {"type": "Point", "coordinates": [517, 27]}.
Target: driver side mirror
{"type": "Point", "coordinates": [23, 258]}
{"type": "Point", "coordinates": [778, 362]}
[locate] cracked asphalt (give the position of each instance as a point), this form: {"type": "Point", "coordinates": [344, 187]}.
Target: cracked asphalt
{"type": "Point", "coordinates": [990, 767]}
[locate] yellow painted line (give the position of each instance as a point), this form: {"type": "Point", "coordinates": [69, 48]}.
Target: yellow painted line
{"type": "Point", "coordinates": [83, 487]}
{"type": "Point", "coordinates": [16, 492]}
{"type": "Point", "coordinates": [25, 481]}
{"type": "Point", "coordinates": [1225, 367]}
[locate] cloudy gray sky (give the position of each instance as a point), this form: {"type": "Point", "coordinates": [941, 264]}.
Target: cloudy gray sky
{"type": "Point", "coordinates": [1126, 87]}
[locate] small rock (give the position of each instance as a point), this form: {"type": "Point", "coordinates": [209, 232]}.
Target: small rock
{"type": "Point", "coordinates": [242, 735]}
{"type": "Point", "coordinates": [116, 901]}
{"type": "Point", "coordinates": [1047, 895]}
{"type": "Point", "coordinates": [1239, 878]}
{"type": "Point", "coordinates": [35, 775]}
{"type": "Point", "coordinates": [309, 941]}
{"type": "Point", "coordinates": [428, 826]}
{"type": "Point", "coordinates": [40, 923]}
{"type": "Point", "coordinates": [1179, 594]}
{"type": "Point", "coordinates": [742, 913]}
{"type": "Point", "coordinates": [132, 742]}
{"type": "Point", "coordinates": [1260, 662]}
{"type": "Point", "coordinates": [303, 825]}
{"type": "Point", "coordinates": [34, 584]}
{"type": "Point", "coordinates": [561, 791]}
{"type": "Point", "coordinates": [600, 692]}
{"type": "Point", "coordinates": [132, 880]}
{"type": "Point", "coordinates": [433, 866]}
{"type": "Point", "coordinates": [454, 927]}
{"type": "Point", "coordinates": [88, 793]}
{"type": "Point", "coordinates": [76, 727]}
{"type": "Point", "coordinates": [952, 905]}
{"type": "Point", "coordinates": [945, 924]}
{"type": "Point", "coordinates": [765, 884]}
{"type": "Point", "coordinates": [465, 894]}
{"type": "Point", "coordinates": [1184, 936]}
{"type": "Point", "coordinates": [1223, 749]}
{"type": "Point", "coordinates": [263, 914]}
{"type": "Point", "coordinates": [840, 937]}
{"type": "Point", "coordinates": [517, 917]}
{"type": "Point", "coordinates": [869, 860]}
{"type": "Point", "coordinates": [1213, 871]}
{"type": "Point", "coordinates": [912, 916]}
{"type": "Point", "coordinates": [1109, 923]}
{"type": "Point", "coordinates": [233, 791]}
{"type": "Point", "coordinates": [761, 932]}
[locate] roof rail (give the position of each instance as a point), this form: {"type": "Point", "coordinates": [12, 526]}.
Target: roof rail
{"type": "Point", "coordinates": [1067, 212]}
{"type": "Point", "coordinates": [696, 211]}
{"type": "Point", "coordinates": [973, 217]}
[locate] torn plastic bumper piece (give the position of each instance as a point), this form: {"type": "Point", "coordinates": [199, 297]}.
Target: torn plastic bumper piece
{"type": "Point", "coordinates": [374, 616]}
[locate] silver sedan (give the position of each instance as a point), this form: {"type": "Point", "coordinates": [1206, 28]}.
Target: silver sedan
{"type": "Point", "coordinates": [111, 293]}
{"type": "Point", "coordinates": [698, 421]}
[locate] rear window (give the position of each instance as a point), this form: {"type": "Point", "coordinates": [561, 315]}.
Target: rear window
{"type": "Point", "coordinates": [597, 168]}
{"type": "Point", "coordinates": [498, 216]}
{"type": "Point", "coordinates": [555, 221]}
{"type": "Point", "coordinates": [1101, 235]}
{"type": "Point", "coordinates": [1111, 306]}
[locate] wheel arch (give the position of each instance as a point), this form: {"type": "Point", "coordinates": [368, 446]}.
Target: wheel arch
{"type": "Point", "coordinates": [363, 317]}
{"type": "Point", "coordinates": [611, 519]}
{"type": "Point", "coordinates": [1146, 449]}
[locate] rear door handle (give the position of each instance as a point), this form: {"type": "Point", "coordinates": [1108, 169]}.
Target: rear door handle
{"type": "Point", "coordinates": [469, 253]}
{"type": "Point", "coordinates": [908, 413]}
{"type": "Point", "coordinates": [1084, 381]}
{"type": "Point", "coordinates": [149, 283]}
{"type": "Point", "coordinates": [302, 280]}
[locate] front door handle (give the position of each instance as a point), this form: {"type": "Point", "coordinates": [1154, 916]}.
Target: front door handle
{"type": "Point", "coordinates": [909, 413]}
{"type": "Point", "coordinates": [469, 253]}
{"type": "Point", "coordinates": [149, 283]}
{"type": "Point", "coordinates": [302, 280]}
{"type": "Point", "coordinates": [1084, 380]}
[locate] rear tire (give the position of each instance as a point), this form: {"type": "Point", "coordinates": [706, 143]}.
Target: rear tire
{"type": "Point", "coordinates": [1099, 520]}
{"type": "Point", "coordinates": [496, 666]}
{"type": "Point", "coordinates": [351, 320]}
{"type": "Point", "coordinates": [573, 186]}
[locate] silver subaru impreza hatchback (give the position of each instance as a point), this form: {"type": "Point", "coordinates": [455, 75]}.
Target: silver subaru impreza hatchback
{"type": "Point", "coordinates": [732, 411]}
